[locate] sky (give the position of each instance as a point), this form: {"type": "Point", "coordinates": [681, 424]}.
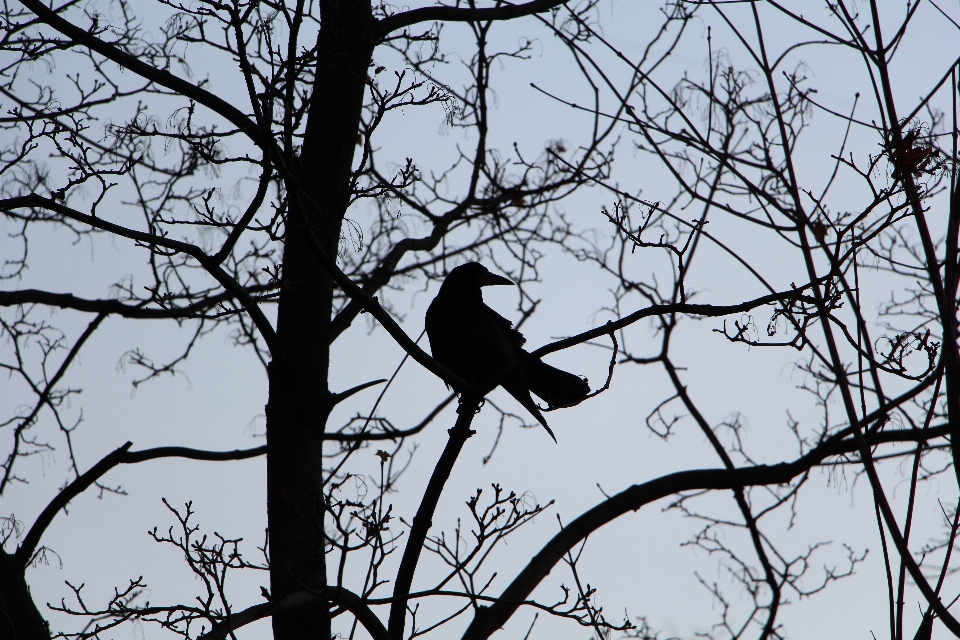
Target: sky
{"type": "Point", "coordinates": [637, 563]}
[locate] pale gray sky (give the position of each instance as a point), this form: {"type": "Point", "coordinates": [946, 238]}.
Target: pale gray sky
{"type": "Point", "coordinates": [636, 563]}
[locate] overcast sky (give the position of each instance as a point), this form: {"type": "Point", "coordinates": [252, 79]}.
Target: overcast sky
{"type": "Point", "coordinates": [637, 563]}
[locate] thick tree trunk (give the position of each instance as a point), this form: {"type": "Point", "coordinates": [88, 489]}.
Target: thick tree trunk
{"type": "Point", "coordinates": [299, 400]}
{"type": "Point", "coordinates": [19, 617]}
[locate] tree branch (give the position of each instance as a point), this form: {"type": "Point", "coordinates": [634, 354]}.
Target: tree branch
{"type": "Point", "coordinates": [424, 519]}
{"type": "Point", "coordinates": [371, 305]}
{"type": "Point", "coordinates": [45, 397]}
{"type": "Point", "coordinates": [132, 457]}
{"type": "Point", "coordinates": [488, 619]}
{"type": "Point", "coordinates": [390, 435]}
{"type": "Point", "coordinates": [214, 269]}
{"type": "Point", "coordinates": [121, 455]}
{"type": "Point", "coordinates": [335, 595]}
{"type": "Point", "coordinates": [115, 307]}
{"type": "Point", "coordinates": [705, 310]}
{"type": "Point", "coordinates": [457, 14]}
{"type": "Point", "coordinates": [31, 541]}
{"type": "Point", "coordinates": [159, 76]}
{"type": "Point", "coordinates": [337, 398]}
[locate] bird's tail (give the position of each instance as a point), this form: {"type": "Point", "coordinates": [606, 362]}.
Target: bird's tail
{"type": "Point", "coordinates": [520, 392]}
{"type": "Point", "coordinates": [557, 387]}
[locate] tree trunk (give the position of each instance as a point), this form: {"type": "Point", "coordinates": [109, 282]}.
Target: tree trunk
{"type": "Point", "coordinates": [19, 617]}
{"type": "Point", "coordinates": [300, 401]}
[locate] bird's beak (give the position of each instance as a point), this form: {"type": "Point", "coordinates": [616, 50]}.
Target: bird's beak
{"type": "Point", "coordinates": [493, 279]}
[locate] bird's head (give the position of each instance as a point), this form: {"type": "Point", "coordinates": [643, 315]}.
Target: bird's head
{"type": "Point", "coordinates": [472, 275]}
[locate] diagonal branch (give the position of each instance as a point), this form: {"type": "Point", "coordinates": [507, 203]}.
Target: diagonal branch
{"type": "Point", "coordinates": [423, 520]}
{"type": "Point", "coordinates": [31, 541]}
{"type": "Point", "coordinates": [371, 305]}
{"type": "Point", "coordinates": [121, 455]}
{"type": "Point", "coordinates": [489, 619]}
{"type": "Point", "coordinates": [45, 397]}
{"type": "Point", "coordinates": [159, 76]}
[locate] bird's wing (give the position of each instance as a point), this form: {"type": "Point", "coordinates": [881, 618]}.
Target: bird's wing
{"type": "Point", "coordinates": [500, 346]}
{"type": "Point", "coordinates": [470, 339]}
{"type": "Point", "coordinates": [557, 387]}
{"type": "Point", "coordinates": [515, 337]}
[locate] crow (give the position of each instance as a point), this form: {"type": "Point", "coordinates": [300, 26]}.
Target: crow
{"type": "Point", "coordinates": [476, 343]}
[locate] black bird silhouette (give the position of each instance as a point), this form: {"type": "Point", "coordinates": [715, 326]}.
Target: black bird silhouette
{"type": "Point", "coordinates": [476, 343]}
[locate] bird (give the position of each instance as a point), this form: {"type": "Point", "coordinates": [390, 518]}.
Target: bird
{"type": "Point", "coordinates": [476, 343]}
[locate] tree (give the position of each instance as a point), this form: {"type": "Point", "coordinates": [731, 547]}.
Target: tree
{"type": "Point", "coordinates": [106, 121]}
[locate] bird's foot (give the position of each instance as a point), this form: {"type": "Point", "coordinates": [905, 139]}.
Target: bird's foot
{"type": "Point", "coordinates": [479, 406]}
